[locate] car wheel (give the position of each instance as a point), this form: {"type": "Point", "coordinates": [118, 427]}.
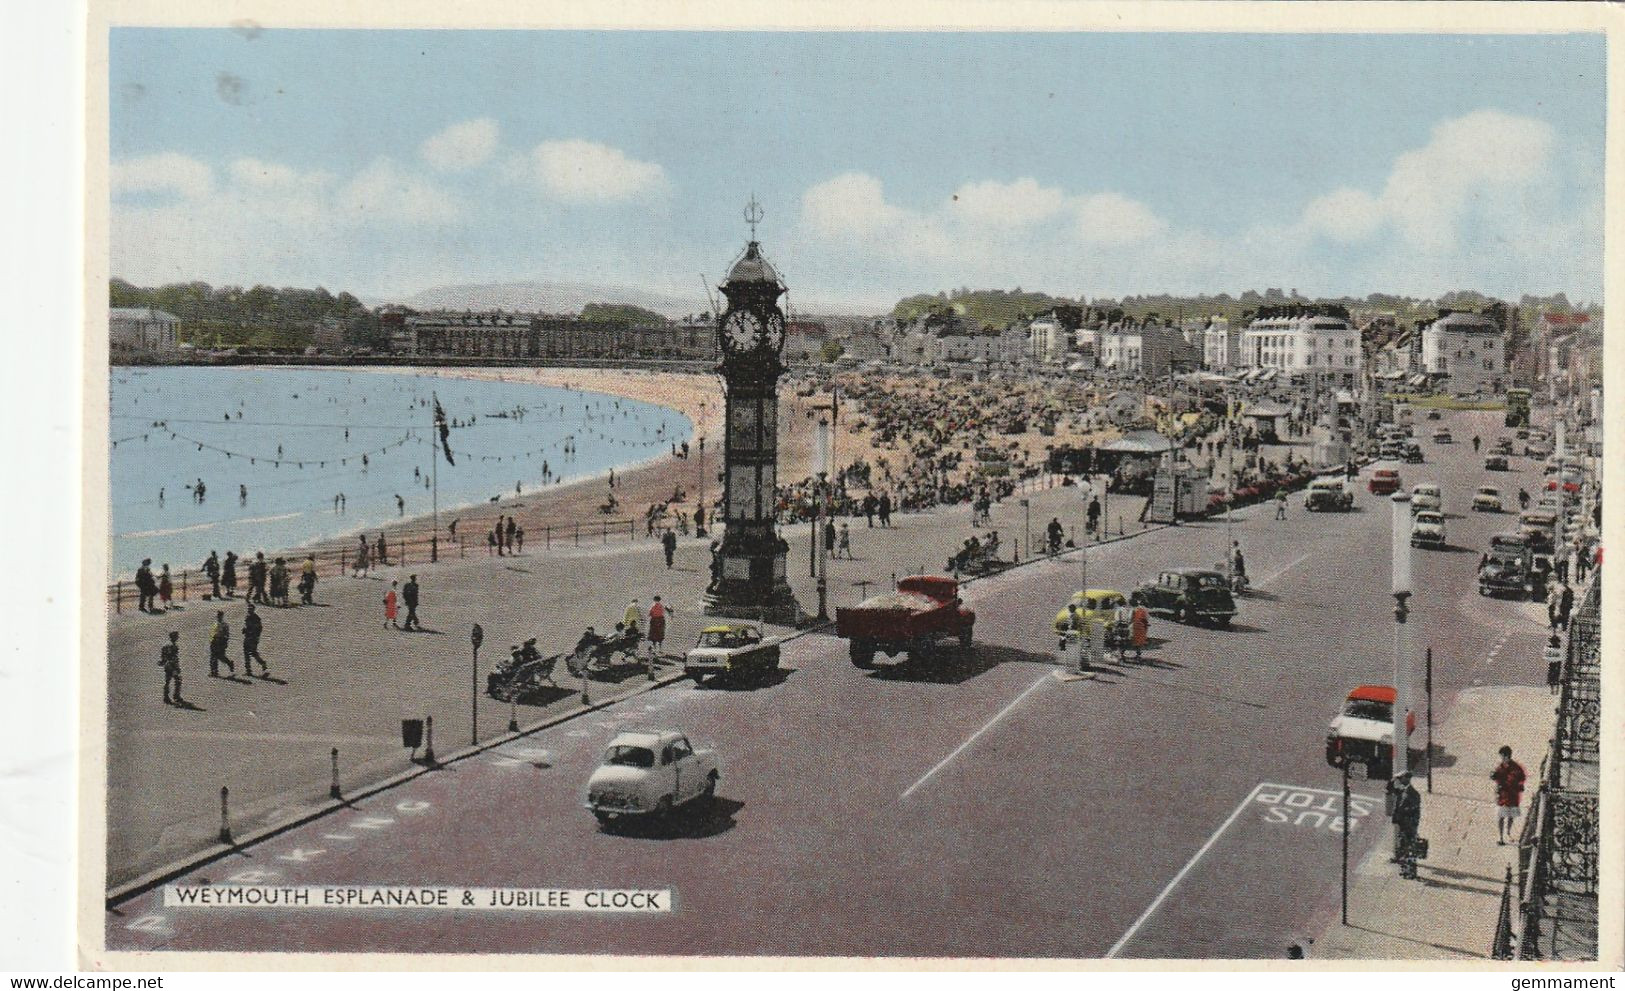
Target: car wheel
{"type": "Point", "coordinates": [604, 818]}
{"type": "Point", "coordinates": [1179, 614]}
{"type": "Point", "coordinates": [1223, 622]}
{"type": "Point", "coordinates": [863, 655]}
{"type": "Point", "coordinates": [965, 637]}
{"type": "Point", "coordinates": [663, 807]}
{"type": "Point", "coordinates": [711, 785]}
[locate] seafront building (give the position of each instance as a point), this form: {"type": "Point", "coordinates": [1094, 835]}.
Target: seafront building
{"type": "Point", "coordinates": [496, 334]}
{"type": "Point", "coordinates": [1304, 345]}
{"type": "Point", "coordinates": [132, 330]}
{"type": "Point", "coordinates": [1464, 354]}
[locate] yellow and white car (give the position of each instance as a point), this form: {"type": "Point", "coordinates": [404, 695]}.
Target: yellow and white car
{"type": "Point", "coordinates": [1094, 604]}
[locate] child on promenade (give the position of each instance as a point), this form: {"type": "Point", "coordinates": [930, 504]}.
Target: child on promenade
{"type": "Point", "coordinates": [389, 606]}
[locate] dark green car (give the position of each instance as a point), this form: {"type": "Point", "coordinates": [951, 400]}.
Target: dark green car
{"type": "Point", "coordinates": [1189, 596]}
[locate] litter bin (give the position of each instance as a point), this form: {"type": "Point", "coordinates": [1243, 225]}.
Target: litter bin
{"type": "Point", "coordinates": [411, 733]}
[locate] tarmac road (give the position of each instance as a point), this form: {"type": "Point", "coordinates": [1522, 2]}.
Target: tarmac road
{"type": "Point", "coordinates": [976, 806]}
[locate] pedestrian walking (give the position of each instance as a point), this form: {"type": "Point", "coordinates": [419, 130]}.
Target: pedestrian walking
{"type": "Point", "coordinates": [1565, 606]}
{"type": "Point", "coordinates": [166, 588]}
{"type": "Point", "coordinates": [657, 626]}
{"type": "Point", "coordinates": [1509, 777]}
{"type": "Point", "coordinates": [668, 542]}
{"type": "Point", "coordinates": [389, 605]}
{"type": "Point", "coordinates": [253, 626]}
{"type": "Point", "coordinates": [409, 595]}
{"type": "Point", "coordinates": [211, 568]}
{"type": "Point", "coordinates": [844, 548]}
{"type": "Point", "coordinates": [1280, 504]}
{"type": "Point", "coordinates": [1407, 818]}
{"type": "Point", "coordinates": [1094, 514]}
{"type": "Point", "coordinates": [169, 658]}
{"type": "Point", "coordinates": [829, 536]}
{"type": "Point", "coordinates": [257, 574]}
{"type": "Point", "coordinates": [519, 537]}
{"type": "Point", "coordinates": [145, 586]}
{"type": "Point", "coordinates": [885, 509]}
{"type": "Point", "coordinates": [512, 528]}
{"type": "Point", "coordinates": [228, 574]}
{"type": "Point", "coordinates": [360, 567]}
{"type": "Point", "coordinates": [219, 642]}
{"type": "Point", "coordinates": [382, 551]}
{"type": "Point", "coordinates": [1554, 663]}
{"type": "Point", "coordinates": [307, 581]}
{"type": "Point", "coordinates": [869, 509]}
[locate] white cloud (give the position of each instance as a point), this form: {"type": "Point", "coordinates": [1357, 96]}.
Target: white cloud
{"type": "Point", "coordinates": [849, 205]}
{"type": "Point", "coordinates": [577, 171]}
{"type": "Point", "coordinates": [461, 146]}
{"type": "Point", "coordinates": [1110, 219]}
{"type": "Point", "coordinates": [383, 191]}
{"type": "Point", "coordinates": [1014, 204]}
{"type": "Point", "coordinates": [167, 171]}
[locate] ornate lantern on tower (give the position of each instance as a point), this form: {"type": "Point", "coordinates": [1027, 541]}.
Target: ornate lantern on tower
{"type": "Point", "coordinates": [748, 573]}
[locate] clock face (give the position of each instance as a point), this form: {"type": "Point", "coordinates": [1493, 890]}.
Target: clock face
{"type": "Point", "coordinates": [740, 329]}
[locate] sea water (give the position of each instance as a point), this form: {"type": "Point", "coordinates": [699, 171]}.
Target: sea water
{"type": "Point", "coordinates": [296, 439]}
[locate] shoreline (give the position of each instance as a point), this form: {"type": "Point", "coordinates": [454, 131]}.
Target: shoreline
{"type": "Point", "coordinates": [698, 396]}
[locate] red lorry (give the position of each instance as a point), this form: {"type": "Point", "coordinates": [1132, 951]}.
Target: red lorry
{"type": "Point", "coordinates": [924, 609]}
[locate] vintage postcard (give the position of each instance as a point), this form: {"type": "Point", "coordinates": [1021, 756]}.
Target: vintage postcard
{"type": "Point", "coordinates": [1051, 485]}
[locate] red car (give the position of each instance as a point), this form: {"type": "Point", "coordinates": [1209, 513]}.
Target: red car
{"type": "Point", "coordinates": [1384, 481]}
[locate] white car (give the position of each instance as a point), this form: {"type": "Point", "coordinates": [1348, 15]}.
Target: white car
{"type": "Point", "coordinates": [1363, 732]}
{"type": "Point", "coordinates": [650, 773]}
{"type": "Point", "coordinates": [1487, 499]}
{"type": "Point", "coordinates": [1428, 529]}
{"type": "Point", "coordinates": [1425, 496]}
{"type": "Point", "coordinates": [731, 649]}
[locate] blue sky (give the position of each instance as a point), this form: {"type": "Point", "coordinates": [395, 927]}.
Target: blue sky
{"type": "Point", "coordinates": [391, 161]}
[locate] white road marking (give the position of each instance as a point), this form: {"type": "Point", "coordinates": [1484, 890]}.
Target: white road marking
{"type": "Point", "coordinates": [1117, 947]}
{"type": "Point", "coordinates": [972, 738]}
{"type": "Point", "coordinates": [1278, 572]}
{"type": "Point", "coordinates": [257, 737]}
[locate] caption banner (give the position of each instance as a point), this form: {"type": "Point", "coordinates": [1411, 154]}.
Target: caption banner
{"type": "Point", "coordinates": [418, 897]}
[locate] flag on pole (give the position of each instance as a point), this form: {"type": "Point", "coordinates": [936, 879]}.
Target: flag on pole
{"type": "Point", "coordinates": [445, 431]}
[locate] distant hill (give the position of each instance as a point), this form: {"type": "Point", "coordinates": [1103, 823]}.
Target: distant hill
{"type": "Point", "coordinates": [989, 307]}
{"type": "Point", "coordinates": [555, 297]}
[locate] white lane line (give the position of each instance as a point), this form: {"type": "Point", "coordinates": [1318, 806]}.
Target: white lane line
{"type": "Point", "coordinates": [1117, 947]}
{"type": "Point", "coordinates": [972, 738]}
{"type": "Point", "coordinates": [1278, 572]}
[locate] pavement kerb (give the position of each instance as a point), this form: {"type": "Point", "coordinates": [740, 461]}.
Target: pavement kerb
{"type": "Point", "coordinates": [152, 879]}
{"type": "Point", "coordinates": [130, 889]}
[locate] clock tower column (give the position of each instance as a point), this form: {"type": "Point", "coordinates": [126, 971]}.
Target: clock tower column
{"type": "Point", "coordinates": [749, 566]}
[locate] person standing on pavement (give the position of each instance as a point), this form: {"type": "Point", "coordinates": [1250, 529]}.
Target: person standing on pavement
{"type": "Point", "coordinates": [1554, 663]}
{"type": "Point", "coordinates": [409, 595]}
{"type": "Point", "coordinates": [844, 547]}
{"type": "Point", "coordinates": [869, 509]}
{"type": "Point", "coordinates": [1094, 514]}
{"type": "Point", "coordinates": [1407, 818]}
{"type": "Point", "coordinates": [253, 626]}
{"type": "Point", "coordinates": [228, 574]}
{"type": "Point", "coordinates": [307, 581]}
{"type": "Point", "coordinates": [1140, 628]}
{"type": "Point", "coordinates": [389, 605]}
{"type": "Point", "coordinates": [657, 626]}
{"type": "Point", "coordinates": [668, 542]}
{"type": "Point", "coordinates": [1565, 606]}
{"type": "Point", "coordinates": [166, 588]}
{"type": "Point", "coordinates": [1280, 504]}
{"type": "Point", "coordinates": [169, 658]}
{"type": "Point", "coordinates": [145, 587]}
{"type": "Point", "coordinates": [219, 641]}
{"type": "Point", "coordinates": [829, 537]}
{"type": "Point", "coordinates": [885, 509]}
{"type": "Point", "coordinates": [1509, 777]}
{"type": "Point", "coordinates": [211, 568]}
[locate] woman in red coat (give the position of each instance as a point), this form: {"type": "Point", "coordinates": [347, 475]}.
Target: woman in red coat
{"type": "Point", "coordinates": [1139, 627]}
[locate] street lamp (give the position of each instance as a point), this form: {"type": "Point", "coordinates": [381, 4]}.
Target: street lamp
{"type": "Point", "coordinates": [699, 531]}
{"type": "Point", "coordinates": [1027, 526]}
{"type": "Point", "coordinates": [1401, 588]}
{"type": "Point", "coordinates": [822, 555]}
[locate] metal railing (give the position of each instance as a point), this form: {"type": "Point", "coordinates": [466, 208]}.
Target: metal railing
{"type": "Point", "coordinates": [1548, 911]}
{"type": "Point", "coordinates": [403, 548]}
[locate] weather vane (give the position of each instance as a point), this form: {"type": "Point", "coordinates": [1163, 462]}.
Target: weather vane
{"type": "Point", "coordinates": [753, 215]}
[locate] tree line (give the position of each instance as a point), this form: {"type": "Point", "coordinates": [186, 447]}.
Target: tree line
{"type": "Point", "coordinates": [261, 316]}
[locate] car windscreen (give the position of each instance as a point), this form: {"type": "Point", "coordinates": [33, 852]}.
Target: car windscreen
{"type": "Point", "coordinates": [1210, 581]}
{"type": "Point", "coordinates": [1368, 709]}
{"type": "Point", "coordinates": [630, 756]}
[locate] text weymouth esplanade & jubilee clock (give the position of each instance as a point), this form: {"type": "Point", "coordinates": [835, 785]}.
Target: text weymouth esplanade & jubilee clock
{"type": "Point", "coordinates": [749, 577]}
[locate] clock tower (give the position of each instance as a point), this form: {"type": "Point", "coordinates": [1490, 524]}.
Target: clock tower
{"type": "Point", "coordinates": [748, 575]}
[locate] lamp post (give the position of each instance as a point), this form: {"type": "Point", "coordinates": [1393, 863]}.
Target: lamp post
{"type": "Point", "coordinates": [1027, 526]}
{"type": "Point", "coordinates": [1401, 588]}
{"type": "Point", "coordinates": [821, 556]}
{"type": "Point", "coordinates": [699, 531]}
{"type": "Point", "coordinates": [476, 636]}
